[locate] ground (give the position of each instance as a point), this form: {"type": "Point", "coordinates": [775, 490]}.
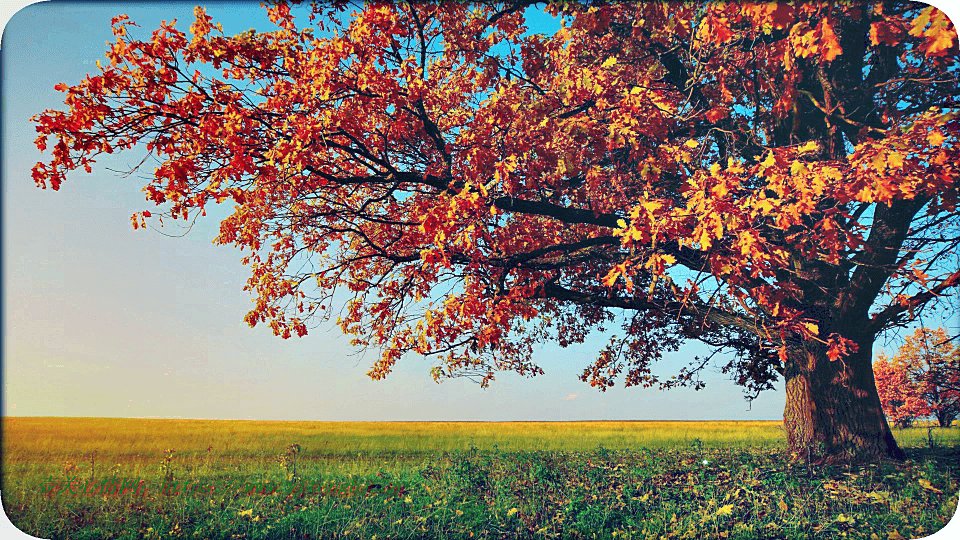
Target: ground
{"type": "Point", "coordinates": [236, 479]}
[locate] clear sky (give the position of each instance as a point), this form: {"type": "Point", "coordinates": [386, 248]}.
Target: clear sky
{"type": "Point", "coordinates": [102, 320]}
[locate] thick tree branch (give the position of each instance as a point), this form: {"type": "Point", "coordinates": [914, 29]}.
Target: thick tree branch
{"type": "Point", "coordinates": [877, 261]}
{"type": "Point", "coordinates": [644, 303]}
{"type": "Point", "coordinates": [879, 321]}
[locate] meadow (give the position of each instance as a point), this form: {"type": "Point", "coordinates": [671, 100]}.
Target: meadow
{"type": "Point", "coordinates": [151, 478]}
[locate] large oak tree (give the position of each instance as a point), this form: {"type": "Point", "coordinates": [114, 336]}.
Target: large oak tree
{"type": "Point", "coordinates": [778, 180]}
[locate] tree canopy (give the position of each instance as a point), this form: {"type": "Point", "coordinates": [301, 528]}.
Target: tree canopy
{"type": "Point", "coordinates": [775, 179]}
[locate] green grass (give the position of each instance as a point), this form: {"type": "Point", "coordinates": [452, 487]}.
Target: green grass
{"type": "Point", "coordinates": [468, 480]}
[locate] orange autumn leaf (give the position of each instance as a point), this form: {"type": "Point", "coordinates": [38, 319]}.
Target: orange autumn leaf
{"type": "Point", "coordinates": [829, 43]}
{"type": "Point", "coordinates": [938, 32]}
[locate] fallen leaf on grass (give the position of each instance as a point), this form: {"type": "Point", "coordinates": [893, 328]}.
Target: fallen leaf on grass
{"type": "Point", "coordinates": [843, 518]}
{"type": "Point", "coordinates": [725, 510]}
{"type": "Point", "coordinates": [924, 483]}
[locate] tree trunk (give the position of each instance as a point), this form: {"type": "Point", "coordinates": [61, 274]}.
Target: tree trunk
{"type": "Point", "coordinates": [833, 412]}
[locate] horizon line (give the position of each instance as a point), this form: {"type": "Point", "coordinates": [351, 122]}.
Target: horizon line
{"type": "Point", "coordinates": [381, 421]}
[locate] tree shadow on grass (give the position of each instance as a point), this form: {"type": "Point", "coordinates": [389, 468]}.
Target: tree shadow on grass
{"type": "Point", "coordinates": [944, 457]}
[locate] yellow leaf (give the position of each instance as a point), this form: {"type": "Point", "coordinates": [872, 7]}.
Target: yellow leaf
{"type": "Point", "coordinates": [940, 36]}
{"type": "Point", "coordinates": [818, 184]}
{"type": "Point", "coordinates": [935, 138]}
{"type": "Point", "coordinates": [705, 240]}
{"type": "Point", "coordinates": [610, 278]}
{"type": "Point", "coordinates": [920, 23]}
{"type": "Point", "coordinates": [894, 535]}
{"type": "Point", "coordinates": [725, 510]}
{"type": "Point", "coordinates": [812, 328]}
{"type": "Point", "coordinates": [764, 206]}
{"type": "Point", "coordinates": [692, 143]}
{"type": "Point", "coordinates": [895, 160]}
{"type": "Point", "coordinates": [831, 173]}
{"type": "Point", "coordinates": [512, 512]}
{"type": "Point", "coordinates": [769, 161]}
{"type": "Point", "coordinates": [782, 505]}
{"type": "Point", "coordinates": [924, 483]}
{"type": "Point", "coordinates": [811, 146]}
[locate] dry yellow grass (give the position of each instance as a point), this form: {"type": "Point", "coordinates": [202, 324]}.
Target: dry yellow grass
{"type": "Point", "coordinates": [128, 438]}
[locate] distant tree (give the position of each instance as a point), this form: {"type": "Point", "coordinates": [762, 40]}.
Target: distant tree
{"type": "Point", "coordinates": [901, 398]}
{"type": "Point", "coordinates": [927, 366]}
{"type": "Point", "coordinates": [778, 180]}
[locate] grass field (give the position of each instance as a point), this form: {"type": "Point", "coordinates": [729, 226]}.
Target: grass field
{"type": "Point", "coordinates": [244, 479]}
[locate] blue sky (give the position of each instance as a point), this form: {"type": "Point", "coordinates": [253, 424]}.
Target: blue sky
{"type": "Point", "coordinates": [102, 320]}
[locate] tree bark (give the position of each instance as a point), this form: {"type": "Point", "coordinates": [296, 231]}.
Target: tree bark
{"type": "Point", "coordinates": [833, 411]}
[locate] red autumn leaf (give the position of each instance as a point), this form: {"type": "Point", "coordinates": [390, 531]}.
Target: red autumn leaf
{"type": "Point", "coordinates": [888, 32]}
